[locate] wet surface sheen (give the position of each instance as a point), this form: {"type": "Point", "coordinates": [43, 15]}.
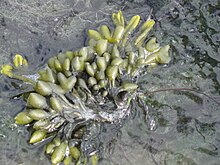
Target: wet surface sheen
{"type": "Point", "coordinates": [184, 126]}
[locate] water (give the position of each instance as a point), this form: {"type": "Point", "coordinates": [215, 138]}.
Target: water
{"type": "Point", "coordinates": [187, 125]}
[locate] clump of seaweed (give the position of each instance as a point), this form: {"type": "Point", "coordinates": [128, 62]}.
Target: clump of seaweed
{"type": "Point", "coordinates": [95, 84]}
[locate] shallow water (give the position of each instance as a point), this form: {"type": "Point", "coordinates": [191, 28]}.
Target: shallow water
{"type": "Point", "coordinates": [187, 124]}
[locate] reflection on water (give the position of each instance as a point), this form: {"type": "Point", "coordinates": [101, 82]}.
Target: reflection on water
{"type": "Point", "coordinates": [187, 123]}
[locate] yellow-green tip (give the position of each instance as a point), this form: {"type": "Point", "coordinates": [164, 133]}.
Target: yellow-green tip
{"type": "Point", "coordinates": [37, 136]}
{"type": "Point", "coordinates": [19, 61]}
{"type": "Point", "coordinates": [7, 70]}
{"type": "Point", "coordinates": [94, 159]}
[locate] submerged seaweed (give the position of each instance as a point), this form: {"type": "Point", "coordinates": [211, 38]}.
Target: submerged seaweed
{"type": "Point", "coordinates": [80, 90]}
